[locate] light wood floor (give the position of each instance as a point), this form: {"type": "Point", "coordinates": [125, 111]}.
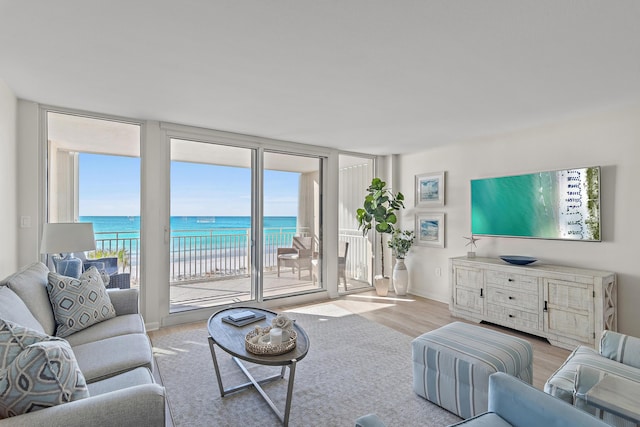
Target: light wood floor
{"type": "Point", "coordinates": [413, 316]}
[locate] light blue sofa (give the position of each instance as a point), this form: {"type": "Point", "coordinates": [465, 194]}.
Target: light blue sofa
{"type": "Point", "coordinates": [114, 356]}
{"type": "Point", "coordinates": [513, 402]}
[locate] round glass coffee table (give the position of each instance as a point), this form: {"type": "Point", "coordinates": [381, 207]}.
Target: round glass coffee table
{"type": "Point", "coordinates": [230, 339]}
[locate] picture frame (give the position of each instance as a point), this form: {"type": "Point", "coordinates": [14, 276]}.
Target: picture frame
{"type": "Point", "coordinates": [429, 229]}
{"type": "Point", "coordinates": [430, 189]}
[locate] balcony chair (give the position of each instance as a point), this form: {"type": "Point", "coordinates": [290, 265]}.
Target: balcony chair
{"type": "Point", "coordinates": [298, 256]}
{"type": "Point", "coordinates": [343, 249]}
{"type": "Point", "coordinates": [110, 266]}
{"type": "Point", "coordinates": [74, 267]}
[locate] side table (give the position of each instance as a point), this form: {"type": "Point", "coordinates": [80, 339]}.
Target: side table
{"type": "Point", "coordinates": [616, 395]}
{"type": "Point", "coordinates": [230, 339]}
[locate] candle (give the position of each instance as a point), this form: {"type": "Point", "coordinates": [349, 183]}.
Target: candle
{"type": "Point", "coordinates": [275, 336]}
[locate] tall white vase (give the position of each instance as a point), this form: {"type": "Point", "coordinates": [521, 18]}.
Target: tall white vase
{"type": "Point", "coordinates": [400, 277]}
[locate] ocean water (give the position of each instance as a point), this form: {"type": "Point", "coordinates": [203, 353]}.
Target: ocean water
{"type": "Point", "coordinates": [110, 227]}
{"type": "Point", "coordinates": [194, 237]}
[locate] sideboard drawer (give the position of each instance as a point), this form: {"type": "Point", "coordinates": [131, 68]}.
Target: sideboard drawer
{"type": "Point", "coordinates": [512, 280]}
{"type": "Point", "coordinates": [512, 298]}
{"type": "Point", "coordinates": [513, 318]}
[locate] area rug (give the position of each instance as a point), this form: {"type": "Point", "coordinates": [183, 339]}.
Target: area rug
{"type": "Point", "coordinates": [354, 367]}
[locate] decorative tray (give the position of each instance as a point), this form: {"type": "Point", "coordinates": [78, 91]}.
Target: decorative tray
{"type": "Point", "coordinates": [257, 342]}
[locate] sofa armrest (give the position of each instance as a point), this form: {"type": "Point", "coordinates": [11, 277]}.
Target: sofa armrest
{"type": "Point", "coordinates": [520, 404]}
{"type": "Point", "coordinates": [125, 301]}
{"type": "Point", "coordinates": [142, 405]}
{"type": "Point", "coordinates": [621, 348]}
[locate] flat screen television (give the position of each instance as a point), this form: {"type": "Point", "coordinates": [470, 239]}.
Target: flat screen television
{"type": "Point", "coordinates": [562, 204]}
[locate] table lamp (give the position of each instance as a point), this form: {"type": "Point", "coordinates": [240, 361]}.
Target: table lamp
{"type": "Point", "coordinates": [67, 238]}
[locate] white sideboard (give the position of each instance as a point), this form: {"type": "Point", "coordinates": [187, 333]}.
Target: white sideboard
{"type": "Point", "coordinates": [568, 306]}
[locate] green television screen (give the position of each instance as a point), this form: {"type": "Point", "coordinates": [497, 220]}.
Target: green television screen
{"type": "Point", "coordinates": [562, 204]}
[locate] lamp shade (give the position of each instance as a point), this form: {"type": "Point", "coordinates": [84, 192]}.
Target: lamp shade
{"type": "Point", "coordinates": [67, 237]}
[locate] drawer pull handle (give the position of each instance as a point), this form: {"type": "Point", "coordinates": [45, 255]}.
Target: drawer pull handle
{"type": "Point", "coordinates": [511, 297]}
{"type": "Point", "coordinates": [511, 315]}
{"type": "Point", "coordinates": [481, 295]}
{"type": "Point", "coordinates": [510, 279]}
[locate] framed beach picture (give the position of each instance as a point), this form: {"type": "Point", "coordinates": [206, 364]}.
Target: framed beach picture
{"type": "Point", "coordinates": [430, 189]}
{"type": "Point", "coordinates": [430, 229]}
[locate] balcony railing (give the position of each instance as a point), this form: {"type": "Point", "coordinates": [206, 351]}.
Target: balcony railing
{"type": "Point", "coordinates": [197, 255]}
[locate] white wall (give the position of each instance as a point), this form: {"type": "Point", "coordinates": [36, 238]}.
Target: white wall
{"type": "Point", "coordinates": [8, 213]}
{"type": "Point", "coordinates": [30, 182]}
{"type": "Point", "coordinates": [610, 140]}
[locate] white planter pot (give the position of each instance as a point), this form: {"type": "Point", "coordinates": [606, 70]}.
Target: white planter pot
{"type": "Point", "coordinates": [382, 285]}
{"type": "Point", "coordinates": [400, 277]}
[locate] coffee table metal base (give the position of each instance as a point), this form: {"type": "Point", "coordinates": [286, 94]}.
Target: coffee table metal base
{"type": "Point", "coordinates": [257, 384]}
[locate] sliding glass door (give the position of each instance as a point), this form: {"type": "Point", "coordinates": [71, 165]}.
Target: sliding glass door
{"type": "Point", "coordinates": [211, 225]}
{"type": "Point", "coordinates": [292, 224]}
{"type": "Point", "coordinates": [245, 224]}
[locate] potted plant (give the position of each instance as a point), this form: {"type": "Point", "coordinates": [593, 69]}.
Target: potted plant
{"type": "Point", "coordinates": [379, 213]}
{"type": "Point", "coordinates": [400, 243]}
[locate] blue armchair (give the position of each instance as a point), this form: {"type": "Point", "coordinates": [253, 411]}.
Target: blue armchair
{"type": "Point", "coordinates": [513, 402]}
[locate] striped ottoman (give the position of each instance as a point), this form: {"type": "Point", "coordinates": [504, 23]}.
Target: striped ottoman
{"type": "Point", "coordinates": [451, 365]}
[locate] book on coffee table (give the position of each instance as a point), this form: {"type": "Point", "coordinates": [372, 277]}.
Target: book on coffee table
{"type": "Point", "coordinates": [243, 318]}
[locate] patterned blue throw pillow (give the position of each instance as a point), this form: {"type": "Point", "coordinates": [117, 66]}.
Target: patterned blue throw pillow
{"type": "Point", "coordinates": [78, 303]}
{"type": "Point", "coordinates": [14, 339]}
{"type": "Point", "coordinates": [43, 375]}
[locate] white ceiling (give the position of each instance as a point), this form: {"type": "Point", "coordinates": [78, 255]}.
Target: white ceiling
{"type": "Point", "coordinates": [374, 76]}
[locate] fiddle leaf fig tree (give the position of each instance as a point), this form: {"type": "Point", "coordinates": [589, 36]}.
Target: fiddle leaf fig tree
{"type": "Point", "coordinates": [379, 211]}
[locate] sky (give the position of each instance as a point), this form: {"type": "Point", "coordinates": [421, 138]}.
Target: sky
{"type": "Point", "coordinates": [110, 186]}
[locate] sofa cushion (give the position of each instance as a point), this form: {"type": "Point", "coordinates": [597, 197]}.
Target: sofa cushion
{"type": "Point", "coordinates": [14, 310]}
{"type": "Point", "coordinates": [43, 375]}
{"type": "Point", "coordinates": [119, 325]}
{"type": "Point", "coordinates": [30, 284]}
{"type": "Point", "coordinates": [14, 339]}
{"type": "Point", "coordinates": [112, 356]}
{"type": "Point", "coordinates": [621, 348]}
{"type": "Point", "coordinates": [78, 303]}
{"type": "Point", "coordinates": [138, 376]}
